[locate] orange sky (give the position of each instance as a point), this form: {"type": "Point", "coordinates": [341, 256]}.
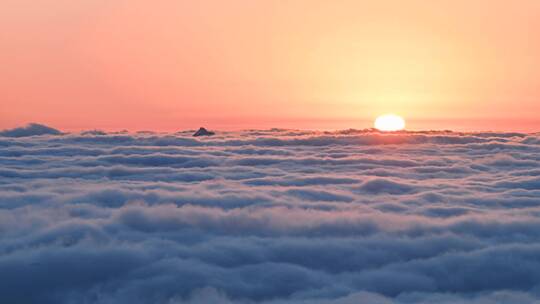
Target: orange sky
{"type": "Point", "coordinates": [171, 64]}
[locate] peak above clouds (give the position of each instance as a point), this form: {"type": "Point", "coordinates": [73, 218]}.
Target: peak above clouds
{"type": "Point", "coordinates": [203, 132]}
{"type": "Point", "coordinates": [269, 216]}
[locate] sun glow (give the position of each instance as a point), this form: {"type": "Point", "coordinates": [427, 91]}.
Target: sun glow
{"type": "Point", "coordinates": [389, 122]}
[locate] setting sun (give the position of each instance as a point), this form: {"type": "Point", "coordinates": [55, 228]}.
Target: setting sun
{"type": "Point", "coordinates": [389, 122]}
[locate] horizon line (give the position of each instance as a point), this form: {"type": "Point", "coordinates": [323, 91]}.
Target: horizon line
{"type": "Point", "coordinates": [63, 131]}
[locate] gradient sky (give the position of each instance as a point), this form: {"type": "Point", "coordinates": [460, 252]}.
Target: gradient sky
{"type": "Point", "coordinates": [167, 65]}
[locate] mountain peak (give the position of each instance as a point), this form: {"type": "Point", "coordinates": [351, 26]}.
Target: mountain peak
{"type": "Point", "coordinates": [203, 132]}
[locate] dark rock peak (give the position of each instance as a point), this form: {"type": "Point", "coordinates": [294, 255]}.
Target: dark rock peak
{"type": "Point", "coordinates": [203, 132]}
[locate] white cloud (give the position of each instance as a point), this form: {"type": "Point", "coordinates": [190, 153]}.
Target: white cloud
{"type": "Point", "coordinates": [271, 216]}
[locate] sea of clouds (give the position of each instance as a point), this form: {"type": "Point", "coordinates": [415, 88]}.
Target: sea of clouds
{"type": "Point", "coordinates": [269, 216]}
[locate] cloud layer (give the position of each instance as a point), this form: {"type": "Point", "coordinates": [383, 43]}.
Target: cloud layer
{"type": "Point", "coordinates": [32, 129]}
{"type": "Point", "coordinates": [269, 216]}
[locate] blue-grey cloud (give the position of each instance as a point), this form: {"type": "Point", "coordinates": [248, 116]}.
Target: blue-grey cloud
{"type": "Point", "coordinates": [30, 130]}
{"type": "Point", "coordinates": [269, 216]}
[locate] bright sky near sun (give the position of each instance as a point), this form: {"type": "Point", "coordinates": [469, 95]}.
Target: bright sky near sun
{"type": "Point", "coordinates": [167, 65]}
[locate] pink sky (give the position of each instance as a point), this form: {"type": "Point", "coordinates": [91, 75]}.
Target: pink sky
{"type": "Point", "coordinates": [168, 65]}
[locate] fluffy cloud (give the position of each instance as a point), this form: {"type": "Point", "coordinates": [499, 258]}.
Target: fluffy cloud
{"type": "Point", "coordinates": [30, 130]}
{"type": "Point", "coordinates": [269, 216]}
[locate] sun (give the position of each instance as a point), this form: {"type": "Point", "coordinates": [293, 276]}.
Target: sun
{"type": "Point", "coordinates": [389, 122]}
